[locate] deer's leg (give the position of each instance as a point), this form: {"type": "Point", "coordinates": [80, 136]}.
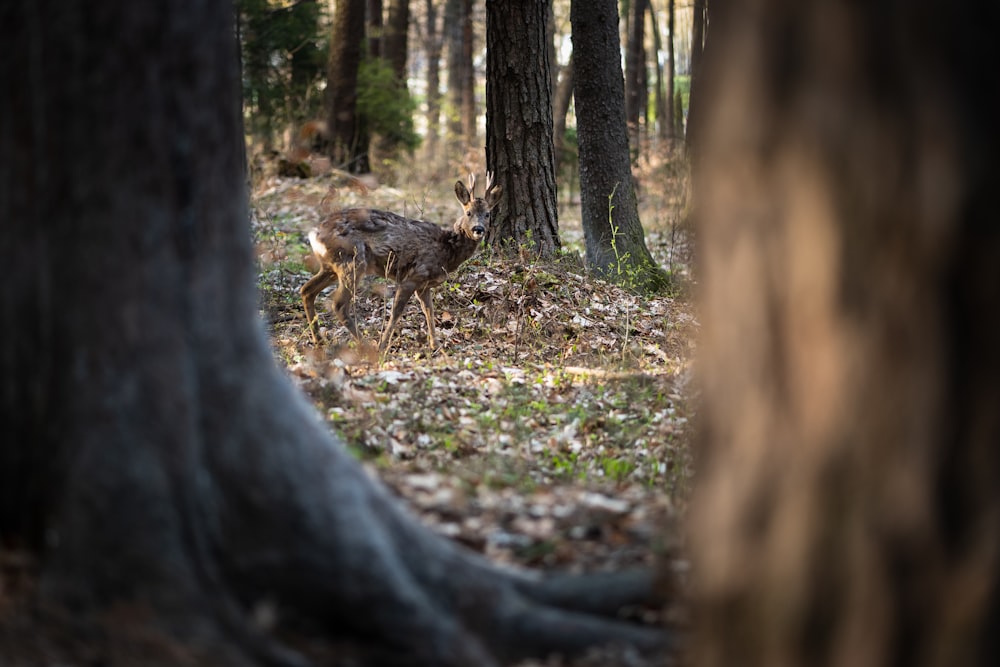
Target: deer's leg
{"type": "Point", "coordinates": [404, 291]}
{"type": "Point", "coordinates": [309, 292]}
{"type": "Point", "coordinates": [343, 300]}
{"type": "Point", "coordinates": [424, 297]}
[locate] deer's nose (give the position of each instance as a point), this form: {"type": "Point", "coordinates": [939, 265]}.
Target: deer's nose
{"type": "Point", "coordinates": [478, 231]}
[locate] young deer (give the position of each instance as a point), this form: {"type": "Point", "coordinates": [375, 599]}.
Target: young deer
{"type": "Point", "coordinates": [416, 254]}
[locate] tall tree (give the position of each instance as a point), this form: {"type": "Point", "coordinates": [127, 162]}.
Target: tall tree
{"type": "Point", "coordinates": [615, 242]}
{"type": "Point", "coordinates": [461, 75]}
{"type": "Point", "coordinates": [560, 109]}
{"type": "Point", "coordinates": [699, 23]}
{"type": "Point", "coordinates": [395, 38]}
{"type": "Point", "coordinates": [519, 126]}
{"type": "Point", "coordinates": [348, 138]}
{"type": "Point", "coordinates": [635, 70]}
{"type": "Point", "coordinates": [374, 27]}
{"type": "Point", "coordinates": [848, 511]}
{"type": "Point", "coordinates": [432, 47]}
{"type": "Point", "coordinates": [159, 472]}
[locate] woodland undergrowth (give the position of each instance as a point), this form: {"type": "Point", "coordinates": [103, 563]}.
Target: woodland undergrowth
{"type": "Point", "coordinates": [552, 426]}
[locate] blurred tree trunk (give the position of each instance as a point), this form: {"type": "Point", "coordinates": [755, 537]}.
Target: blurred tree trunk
{"type": "Point", "coordinates": [615, 243]}
{"type": "Point", "coordinates": [348, 139]}
{"type": "Point", "coordinates": [519, 126]}
{"type": "Point", "coordinates": [848, 508]}
{"type": "Point", "coordinates": [395, 38]}
{"type": "Point", "coordinates": [635, 69]}
{"type": "Point", "coordinates": [163, 486]}
{"type": "Point", "coordinates": [375, 27]}
{"type": "Point", "coordinates": [461, 78]}
{"type": "Point", "coordinates": [670, 126]}
{"type": "Point", "coordinates": [560, 109]}
{"type": "Point", "coordinates": [432, 46]}
{"type": "Point", "coordinates": [698, 25]}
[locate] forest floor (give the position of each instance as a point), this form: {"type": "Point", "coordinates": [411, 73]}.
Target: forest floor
{"type": "Point", "coordinates": [552, 426]}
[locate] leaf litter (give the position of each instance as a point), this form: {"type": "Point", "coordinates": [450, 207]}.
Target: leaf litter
{"type": "Point", "coordinates": [550, 429]}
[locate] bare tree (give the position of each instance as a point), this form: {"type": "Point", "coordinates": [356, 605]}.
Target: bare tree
{"type": "Point", "coordinates": [348, 139]}
{"type": "Point", "coordinates": [519, 126]}
{"type": "Point", "coordinates": [461, 75]}
{"type": "Point", "coordinates": [560, 110]}
{"type": "Point", "coordinates": [848, 509]}
{"type": "Point", "coordinates": [395, 38]}
{"type": "Point", "coordinates": [432, 46]}
{"type": "Point", "coordinates": [615, 243]}
{"type": "Point", "coordinates": [635, 70]}
{"type": "Point", "coordinates": [698, 39]}
{"type": "Point", "coordinates": [166, 482]}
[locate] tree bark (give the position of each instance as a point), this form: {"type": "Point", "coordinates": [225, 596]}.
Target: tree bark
{"type": "Point", "coordinates": [395, 39]}
{"type": "Point", "coordinates": [615, 244]}
{"type": "Point", "coordinates": [698, 29]}
{"type": "Point", "coordinates": [348, 138]}
{"type": "Point", "coordinates": [848, 510]}
{"type": "Point", "coordinates": [164, 477]}
{"type": "Point", "coordinates": [374, 27]}
{"type": "Point", "coordinates": [635, 67]}
{"type": "Point", "coordinates": [560, 109]}
{"type": "Point", "coordinates": [461, 77]}
{"type": "Point", "coordinates": [432, 46]}
{"type": "Point", "coordinates": [519, 127]}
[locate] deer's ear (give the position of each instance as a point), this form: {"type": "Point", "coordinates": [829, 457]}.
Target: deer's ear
{"type": "Point", "coordinates": [493, 196]}
{"type": "Point", "coordinates": [462, 193]}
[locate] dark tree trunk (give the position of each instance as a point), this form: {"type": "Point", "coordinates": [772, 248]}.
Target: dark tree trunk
{"type": "Point", "coordinates": [635, 67]}
{"type": "Point", "coordinates": [348, 139]}
{"type": "Point", "coordinates": [395, 39]}
{"type": "Point", "coordinates": [670, 118]}
{"type": "Point", "coordinates": [432, 45]}
{"type": "Point", "coordinates": [698, 21]}
{"type": "Point", "coordinates": [615, 242]}
{"type": "Point", "coordinates": [461, 77]}
{"type": "Point", "coordinates": [374, 27]}
{"type": "Point", "coordinates": [519, 126]}
{"type": "Point", "coordinates": [848, 511]}
{"type": "Point", "coordinates": [560, 109]}
{"type": "Point", "coordinates": [157, 468]}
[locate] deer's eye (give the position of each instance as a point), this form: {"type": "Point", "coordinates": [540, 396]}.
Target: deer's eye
{"type": "Point", "coordinates": [469, 213]}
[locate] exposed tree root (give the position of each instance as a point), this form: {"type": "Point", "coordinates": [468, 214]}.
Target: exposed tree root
{"type": "Point", "coordinates": [275, 519]}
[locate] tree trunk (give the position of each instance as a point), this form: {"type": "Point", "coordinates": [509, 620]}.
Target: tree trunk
{"type": "Point", "coordinates": [670, 118]}
{"type": "Point", "coordinates": [348, 139]}
{"type": "Point", "coordinates": [635, 66]}
{"type": "Point", "coordinates": [661, 102]}
{"type": "Point", "coordinates": [432, 45]}
{"type": "Point", "coordinates": [461, 78]}
{"type": "Point", "coordinates": [395, 39]}
{"type": "Point", "coordinates": [560, 109]}
{"type": "Point", "coordinates": [519, 126]}
{"type": "Point", "coordinates": [848, 511]}
{"type": "Point", "coordinates": [698, 24]}
{"type": "Point", "coordinates": [374, 28]}
{"type": "Point", "coordinates": [615, 243]}
{"type": "Point", "coordinates": [163, 476]}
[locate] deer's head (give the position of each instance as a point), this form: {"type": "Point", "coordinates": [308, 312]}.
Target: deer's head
{"type": "Point", "coordinates": [476, 210]}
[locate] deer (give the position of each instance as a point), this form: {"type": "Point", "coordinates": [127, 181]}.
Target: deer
{"type": "Point", "coordinates": [416, 254]}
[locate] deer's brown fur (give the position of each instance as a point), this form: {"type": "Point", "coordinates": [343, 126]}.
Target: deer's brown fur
{"type": "Point", "coordinates": [416, 254]}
